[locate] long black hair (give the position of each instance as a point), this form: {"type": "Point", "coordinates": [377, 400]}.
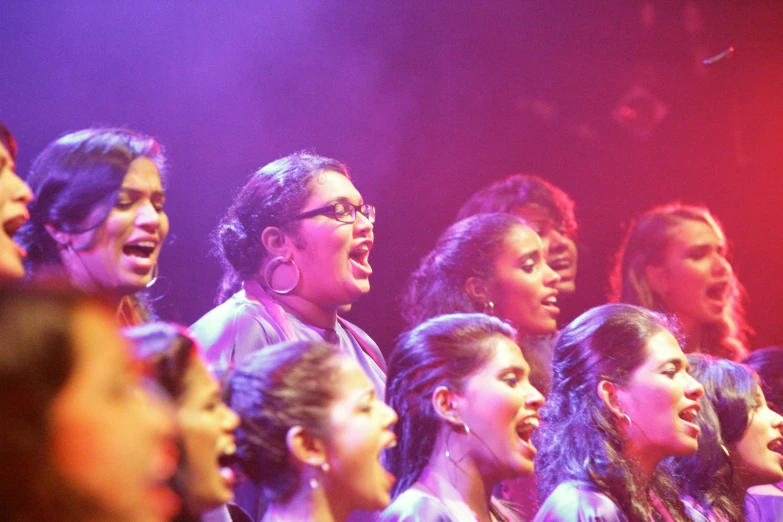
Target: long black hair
{"type": "Point", "coordinates": [579, 439]}
{"type": "Point", "coordinates": [444, 350]}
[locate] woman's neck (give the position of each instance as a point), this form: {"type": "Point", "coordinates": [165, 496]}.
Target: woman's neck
{"type": "Point", "coordinates": [308, 312]}
{"type": "Point", "coordinates": [306, 505]}
{"type": "Point", "coordinates": [461, 475]}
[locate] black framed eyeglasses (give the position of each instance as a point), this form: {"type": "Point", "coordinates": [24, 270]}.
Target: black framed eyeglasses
{"type": "Point", "coordinates": [343, 212]}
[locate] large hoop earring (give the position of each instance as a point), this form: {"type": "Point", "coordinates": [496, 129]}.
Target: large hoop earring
{"type": "Point", "coordinates": [268, 273]}
{"type": "Point", "coordinates": [154, 279]}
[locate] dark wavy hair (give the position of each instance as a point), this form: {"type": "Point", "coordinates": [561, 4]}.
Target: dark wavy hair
{"type": "Point", "coordinates": [443, 351]}
{"type": "Point", "coordinates": [273, 195]}
{"type": "Point", "coordinates": [518, 190]}
{"type": "Point", "coordinates": [167, 351]}
{"type": "Point", "coordinates": [37, 358]}
{"type": "Point", "coordinates": [768, 365]}
{"type": "Point", "coordinates": [77, 176]}
{"type": "Point", "coordinates": [729, 397]}
{"type": "Point", "coordinates": [282, 386]}
{"type": "Point", "coordinates": [8, 141]}
{"type": "Point", "coordinates": [466, 249]}
{"type": "Point", "coordinates": [579, 439]}
{"type": "Point", "coordinates": [645, 245]}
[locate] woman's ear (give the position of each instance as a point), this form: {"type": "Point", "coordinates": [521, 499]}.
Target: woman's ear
{"type": "Point", "coordinates": [607, 392]}
{"type": "Point", "coordinates": [63, 239]}
{"type": "Point", "coordinates": [277, 243]}
{"type": "Point", "coordinates": [305, 447]}
{"type": "Point", "coordinates": [477, 290]}
{"type": "Point", "coordinates": [444, 402]}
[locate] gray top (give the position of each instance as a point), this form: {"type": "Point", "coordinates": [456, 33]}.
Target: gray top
{"type": "Point", "coordinates": [247, 322]}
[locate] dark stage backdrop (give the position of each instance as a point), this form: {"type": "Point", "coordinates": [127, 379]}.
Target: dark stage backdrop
{"type": "Point", "coordinates": [426, 102]}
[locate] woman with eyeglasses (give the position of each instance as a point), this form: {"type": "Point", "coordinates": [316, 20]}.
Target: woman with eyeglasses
{"type": "Point", "coordinates": [295, 246]}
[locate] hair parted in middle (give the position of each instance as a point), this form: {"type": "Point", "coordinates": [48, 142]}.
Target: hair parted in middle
{"type": "Point", "coordinates": [443, 351]}
{"type": "Point", "coordinates": [579, 439]}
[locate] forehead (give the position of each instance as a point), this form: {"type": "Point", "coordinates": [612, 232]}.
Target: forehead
{"type": "Point", "coordinates": [198, 379]}
{"type": "Point", "coordinates": [534, 212]}
{"type": "Point", "coordinates": [695, 232]}
{"type": "Point", "coordinates": [328, 185]}
{"type": "Point", "coordinates": [663, 347]}
{"type": "Point", "coordinates": [4, 154]}
{"type": "Point", "coordinates": [520, 240]}
{"type": "Point", "coordinates": [349, 379]}
{"type": "Point", "coordinates": [142, 174]}
{"type": "Point", "coordinates": [504, 353]}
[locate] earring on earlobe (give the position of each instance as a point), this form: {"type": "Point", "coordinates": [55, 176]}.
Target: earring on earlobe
{"type": "Point", "coordinates": [627, 418]}
{"type": "Point", "coordinates": [154, 276]}
{"type": "Point", "coordinates": [314, 484]}
{"type": "Point", "coordinates": [489, 308]}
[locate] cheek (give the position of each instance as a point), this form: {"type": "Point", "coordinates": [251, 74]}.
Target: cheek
{"type": "Point", "coordinates": [199, 436]}
{"type": "Point", "coordinates": [90, 454]}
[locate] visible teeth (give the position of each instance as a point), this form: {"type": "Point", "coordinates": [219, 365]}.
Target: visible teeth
{"type": "Point", "coordinates": [775, 444]}
{"type": "Point", "coordinates": [550, 300]}
{"type": "Point", "coordinates": [144, 244]}
{"type": "Point", "coordinates": [688, 415]}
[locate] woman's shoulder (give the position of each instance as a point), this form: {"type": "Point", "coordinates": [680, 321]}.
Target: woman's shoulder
{"type": "Point", "coordinates": [578, 502]}
{"type": "Point", "coordinates": [233, 329]}
{"type": "Point", "coordinates": [415, 505]}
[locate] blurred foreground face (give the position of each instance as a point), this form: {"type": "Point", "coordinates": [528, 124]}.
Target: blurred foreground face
{"type": "Point", "coordinates": [207, 429]}
{"type": "Point", "coordinates": [110, 440]}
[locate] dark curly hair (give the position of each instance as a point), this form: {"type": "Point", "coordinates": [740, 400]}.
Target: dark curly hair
{"type": "Point", "coordinates": [768, 364]}
{"type": "Point", "coordinates": [444, 350]}
{"type": "Point", "coordinates": [282, 386]}
{"type": "Point", "coordinates": [518, 190]}
{"type": "Point", "coordinates": [645, 245]}
{"type": "Point", "coordinates": [273, 195]}
{"type": "Point", "coordinates": [579, 439]}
